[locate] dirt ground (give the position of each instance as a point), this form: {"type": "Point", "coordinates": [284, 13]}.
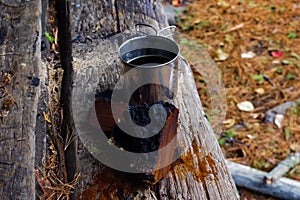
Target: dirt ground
{"type": "Point", "coordinates": [256, 45]}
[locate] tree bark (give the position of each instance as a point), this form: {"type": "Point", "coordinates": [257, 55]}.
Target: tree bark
{"type": "Point", "coordinates": [200, 172]}
{"type": "Point", "coordinates": [20, 63]}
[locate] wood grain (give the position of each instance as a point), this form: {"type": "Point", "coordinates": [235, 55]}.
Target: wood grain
{"type": "Point", "coordinates": [201, 172]}
{"type": "Point", "coordinates": [20, 57]}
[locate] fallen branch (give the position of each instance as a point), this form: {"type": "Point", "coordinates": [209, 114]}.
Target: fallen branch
{"type": "Point", "coordinates": [254, 179]}
{"type": "Point", "coordinates": [283, 167]}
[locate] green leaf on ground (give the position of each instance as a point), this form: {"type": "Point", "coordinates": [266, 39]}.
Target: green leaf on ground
{"type": "Point", "coordinates": [230, 133]}
{"type": "Point", "coordinates": [201, 24]}
{"type": "Point", "coordinates": [227, 134]}
{"type": "Point", "coordinates": [184, 41]}
{"type": "Point", "coordinates": [252, 4]}
{"type": "Point", "coordinates": [258, 77]}
{"type": "Point", "coordinates": [292, 35]}
{"type": "Point", "coordinates": [286, 62]}
{"type": "Point", "coordinates": [295, 55]}
{"type": "Point", "coordinates": [222, 141]}
{"type": "Point", "coordinates": [279, 69]}
{"type": "Point", "coordinates": [228, 38]}
{"type": "Point", "coordinates": [295, 110]}
{"type": "Point", "coordinates": [287, 133]}
{"type": "Point", "coordinates": [290, 76]}
{"type": "Point", "coordinates": [187, 27]}
{"type": "Point", "coordinates": [259, 164]}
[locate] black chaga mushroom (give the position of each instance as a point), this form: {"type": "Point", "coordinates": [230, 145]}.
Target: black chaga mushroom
{"type": "Point", "coordinates": [140, 116]}
{"type": "Point", "coordinates": [166, 136]}
{"type": "Point", "coordinates": [165, 116]}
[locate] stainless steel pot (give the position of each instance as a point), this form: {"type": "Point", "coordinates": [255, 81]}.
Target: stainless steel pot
{"type": "Point", "coordinates": [155, 58]}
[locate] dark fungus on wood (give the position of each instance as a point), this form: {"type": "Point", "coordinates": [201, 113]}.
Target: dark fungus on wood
{"type": "Point", "coordinates": [140, 116]}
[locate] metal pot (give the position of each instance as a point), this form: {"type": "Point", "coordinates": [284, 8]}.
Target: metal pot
{"type": "Point", "coordinates": [155, 58]}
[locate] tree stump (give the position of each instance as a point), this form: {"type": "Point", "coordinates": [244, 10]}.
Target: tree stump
{"type": "Point", "coordinates": [88, 49]}
{"type": "Point", "coordinates": [201, 172]}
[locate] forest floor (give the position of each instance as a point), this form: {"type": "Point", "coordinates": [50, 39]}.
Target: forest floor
{"type": "Point", "coordinates": [256, 46]}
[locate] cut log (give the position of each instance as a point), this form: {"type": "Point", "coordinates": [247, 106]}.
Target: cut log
{"type": "Point", "coordinates": [20, 63]}
{"type": "Point", "coordinates": [201, 172]}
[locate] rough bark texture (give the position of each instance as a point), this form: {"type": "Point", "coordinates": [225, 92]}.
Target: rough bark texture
{"type": "Point", "coordinates": [201, 172]}
{"type": "Point", "coordinates": [20, 31]}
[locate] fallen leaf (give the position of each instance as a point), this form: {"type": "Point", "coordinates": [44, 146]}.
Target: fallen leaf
{"type": "Point", "coordinates": [223, 4]}
{"type": "Point", "coordinates": [249, 54]}
{"type": "Point", "coordinates": [229, 123]}
{"type": "Point", "coordinates": [295, 147]}
{"type": "Point", "coordinates": [277, 54]}
{"type": "Point", "coordinates": [250, 136]}
{"type": "Point", "coordinates": [228, 38]}
{"type": "Point", "coordinates": [258, 77]}
{"type": "Point", "coordinates": [279, 70]}
{"type": "Point", "coordinates": [258, 115]}
{"type": "Point", "coordinates": [260, 90]}
{"type": "Point", "coordinates": [176, 3]}
{"type": "Point", "coordinates": [256, 125]}
{"type": "Point", "coordinates": [221, 55]}
{"type": "Point", "coordinates": [295, 55]}
{"type": "Point", "coordinates": [286, 62]}
{"type": "Point", "coordinates": [278, 120]}
{"type": "Point", "coordinates": [290, 76]}
{"type": "Point", "coordinates": [292, 35]}
{"type": "Point", "coordinates": [246, 106]}
{"type": "Point", "coordinates": [276, 62]}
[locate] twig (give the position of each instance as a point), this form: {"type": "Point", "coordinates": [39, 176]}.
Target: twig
{"type": "Point", "coordinates": [239, 26]}
{"type": "Point", "coordinates": [58, 143]}
{"type": "Point", "coordinates": [45, 184]}
{"type": "Point", "coordinates": [269, 80]}
{"type": "Point", "coordinates": [69, 140]}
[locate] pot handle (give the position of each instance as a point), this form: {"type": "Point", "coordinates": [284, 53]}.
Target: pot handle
{"type": "Point", "coordinates": [139, 25]}
{"type": "Point", "coordinates": [170, 30]}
